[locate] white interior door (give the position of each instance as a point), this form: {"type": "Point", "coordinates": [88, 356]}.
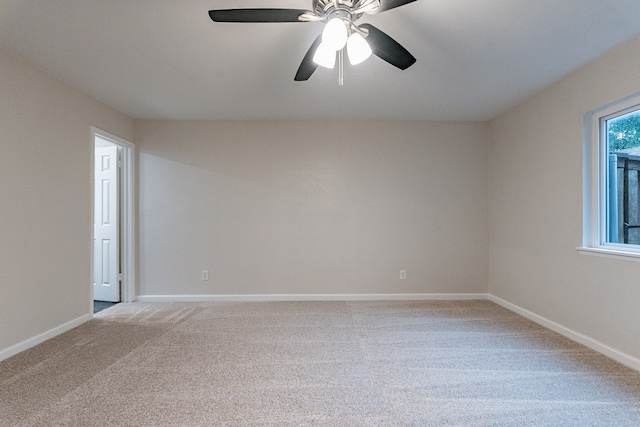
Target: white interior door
{"type": "Point", "coordinates": [106, 266]}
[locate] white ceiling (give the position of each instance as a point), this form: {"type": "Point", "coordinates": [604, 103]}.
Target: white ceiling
{"type": "Point", "coordinates": [165, 59]}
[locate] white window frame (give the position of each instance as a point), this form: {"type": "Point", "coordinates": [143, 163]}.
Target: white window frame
{"type": "Point", "coordinates": [595, 170]}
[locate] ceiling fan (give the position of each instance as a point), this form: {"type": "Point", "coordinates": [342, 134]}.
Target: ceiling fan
{"type": "Point", "coordinates": [340, 32]}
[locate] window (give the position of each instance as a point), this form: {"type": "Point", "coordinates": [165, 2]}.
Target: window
{"type": "Point", "coordinates": [612, 179]}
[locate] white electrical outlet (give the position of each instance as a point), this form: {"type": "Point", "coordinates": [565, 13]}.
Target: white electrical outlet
{"type": "Point", "coordinates": [205, 274]}
{"type": "Point", "coordinates": [403, 274]}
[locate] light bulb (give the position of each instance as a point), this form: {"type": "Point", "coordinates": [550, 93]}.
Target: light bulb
{"type": "Point", "coordinates": [335, 34]}
{"type": "Point", "coordinates": [357, 48]}
{"type": "Point", "coordinates": [325, 56]}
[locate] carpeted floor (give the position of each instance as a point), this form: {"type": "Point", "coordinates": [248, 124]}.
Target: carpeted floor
{"type": "Point", "coordinates": [427, 363]}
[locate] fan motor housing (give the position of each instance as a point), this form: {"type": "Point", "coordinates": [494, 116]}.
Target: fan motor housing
{"type": "Point", "coordinates": [327, 7]}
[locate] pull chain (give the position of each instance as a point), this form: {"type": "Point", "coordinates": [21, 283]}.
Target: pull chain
{"type": "Point", "coordinates": [340, 68]}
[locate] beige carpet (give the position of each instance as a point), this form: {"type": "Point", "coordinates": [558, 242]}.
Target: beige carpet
{"type": "Point", "coordinates": [435, 363]}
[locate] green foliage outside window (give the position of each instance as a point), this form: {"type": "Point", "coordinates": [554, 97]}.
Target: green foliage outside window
{"type": "Point", "coordinates": [624, 131]}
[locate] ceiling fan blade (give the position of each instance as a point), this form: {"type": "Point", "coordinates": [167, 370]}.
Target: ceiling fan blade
{"type": "Point", "coordinates": [308, 66]}
{"type": "Point", "coordinates": [388, 49]}
{"type": "Point", "coordinates": [391, 4]}
{"type": "Point", "coordinates": [257, 15]}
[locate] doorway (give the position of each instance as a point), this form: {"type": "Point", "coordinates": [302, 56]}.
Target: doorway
{"type": "Point", "coordinates": [112, 265]}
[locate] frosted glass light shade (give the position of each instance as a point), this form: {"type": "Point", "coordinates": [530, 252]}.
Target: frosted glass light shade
{"type": "Point", "coordinates": [325, 56]}
{"type": "Point", "coordinates": [335, 34]}
{"type": "Point", "coordinates": [357, 48]}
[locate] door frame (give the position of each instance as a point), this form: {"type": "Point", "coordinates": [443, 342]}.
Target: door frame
{"type": "Point", "coordinates": [127, 214]}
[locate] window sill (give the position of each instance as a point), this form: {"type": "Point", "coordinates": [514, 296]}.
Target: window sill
{"type": "Point", "coordinates": [610, 253]}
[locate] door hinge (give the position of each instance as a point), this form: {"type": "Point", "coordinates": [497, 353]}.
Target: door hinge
{"type": "Point", "coordinates": [120, 277]}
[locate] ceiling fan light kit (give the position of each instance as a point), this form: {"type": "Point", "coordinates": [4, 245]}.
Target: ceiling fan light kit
{"type": "Point", "coordinates": [335, 34]}
{"type": "Point", "coordinates": [325, 56]}
{"type": "Point", "coordinates": [340, 32]}
{"type": "Point", "coordinates": [358, 49]}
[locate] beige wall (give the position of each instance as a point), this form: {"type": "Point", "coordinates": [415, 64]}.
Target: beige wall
{"type": "Point", "coordinates": [316, 207]}
{"type": "Point", "coordinates": [312, 207]}
{"type": "Point", "coordinates": [535, 199]}
{"type": "Point", "coordinates": [45, 199]}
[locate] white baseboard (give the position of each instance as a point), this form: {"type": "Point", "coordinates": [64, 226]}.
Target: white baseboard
{"type": "Point", "coordinates": [31, 342]}
{"type": "Point", "coordinates": [309, 297]}
{"type": "Point", "coordinates": [614, 354]}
